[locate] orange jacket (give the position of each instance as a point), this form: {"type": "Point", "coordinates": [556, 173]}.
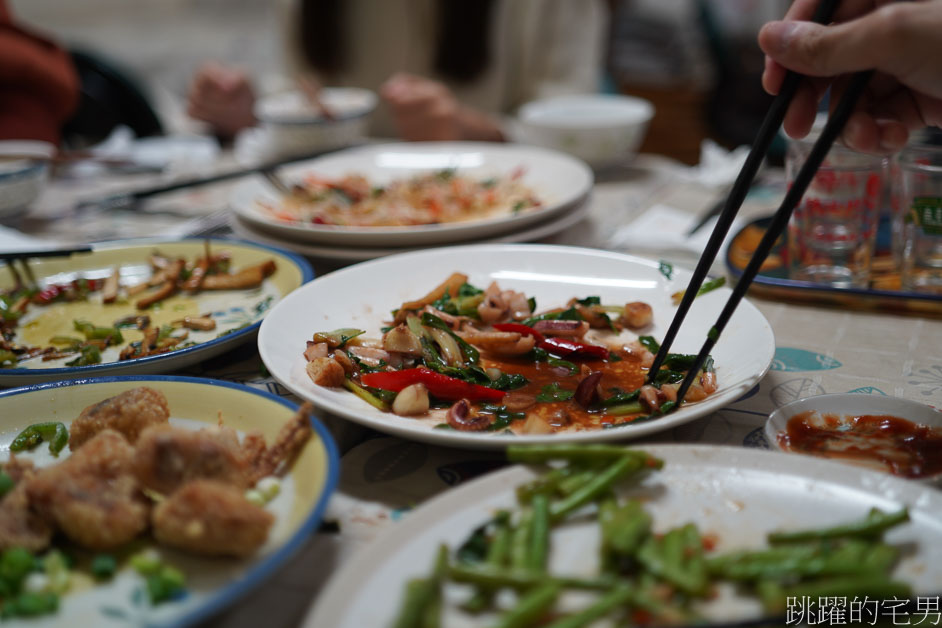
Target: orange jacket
{"type": "Point", "coordinates": [39, 88]}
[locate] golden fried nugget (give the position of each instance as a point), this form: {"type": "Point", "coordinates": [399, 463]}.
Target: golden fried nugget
{"type": "Point", "coordinates": [130, 413]}
{"type": "Point", "coordinates": [211, 518]}
{"type": "Point", "coordinates": [168, 456]}
{"type": "Point", "coordinates": [93, 496]}
{"type": "Point", "coordinates": [20, 526]}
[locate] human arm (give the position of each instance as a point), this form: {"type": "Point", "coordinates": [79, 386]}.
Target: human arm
{"type": "Point", "coordinates": [38, 83]}
{"type": "Point", "coordinates": [899, 40]}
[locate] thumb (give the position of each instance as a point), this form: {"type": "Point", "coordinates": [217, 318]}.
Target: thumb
{"type": "Point", "coordinates": [816, 50]}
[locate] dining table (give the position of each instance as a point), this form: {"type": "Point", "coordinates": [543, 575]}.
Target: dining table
{"type": "Point", "coordinates": [638, 208]}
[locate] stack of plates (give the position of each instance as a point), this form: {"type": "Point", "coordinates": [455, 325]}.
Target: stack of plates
{"type": "Point", "coordinates": [560, 181]}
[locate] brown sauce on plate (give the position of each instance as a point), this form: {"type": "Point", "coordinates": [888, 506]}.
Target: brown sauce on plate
{"type": "Point", "coordinates": [625, 374]}
{"type": "Point", "coordinates": [898, 445]}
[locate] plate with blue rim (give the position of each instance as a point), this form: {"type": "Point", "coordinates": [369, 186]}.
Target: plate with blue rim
{"type": "Point", "coordinates": [212, 584]}
{"type": "Point", "coordinates": [237, 313]}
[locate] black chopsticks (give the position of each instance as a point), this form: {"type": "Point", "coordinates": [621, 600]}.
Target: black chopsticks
{"type": "Point", "coordinates": [125, 200]}
{"type": "Point", "coordinates": [832, 129]}
{"type": "Point", "coordinates": [51, 252]}
{"type": "Point", "coordinates": [770, 125]}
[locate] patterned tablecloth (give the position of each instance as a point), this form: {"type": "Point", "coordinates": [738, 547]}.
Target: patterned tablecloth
{"type": "Point", "coordinates": [818, 350]}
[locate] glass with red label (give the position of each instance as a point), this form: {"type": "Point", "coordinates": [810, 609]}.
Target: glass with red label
{"type": "Point", "coordinates": [920, 185]}
{"type": "Point", "coordinates": [832, 233]}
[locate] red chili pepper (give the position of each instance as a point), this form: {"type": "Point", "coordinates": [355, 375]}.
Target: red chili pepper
{"type": "Point", "coordinates": [48, 294]}
{"type": "Point", "coordinates": [559, 346]}
{"type": "Point", "coordinates": [573, 348]}
{"type": "Point", "coordinates": [523, 330]}
{"type": "Point", "coordinates": [441, 386]}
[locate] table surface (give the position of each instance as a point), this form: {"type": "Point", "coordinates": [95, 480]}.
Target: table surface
{"type": "Point", "coordinates": [819, 349]}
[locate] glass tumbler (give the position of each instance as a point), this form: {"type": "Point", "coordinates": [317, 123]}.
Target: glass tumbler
{"type": "Point", "coordinates": [832, 232]}
{"type": "Point", "coordinates": [920, 190]}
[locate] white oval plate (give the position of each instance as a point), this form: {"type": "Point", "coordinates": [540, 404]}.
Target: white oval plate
{"type": "Point", "coordinates": [737, 494]}
{"type": "Point", "coordinates": [854, 404]}
{"type": "Point", "coordinates": [363, 295]}
{"type": "Point", "coordinates": [361, 254]}
{"type": "Point", "coordinates": [212, 583]}
{"type": "Point", "coordinates": [559, 180]}
{"type": "Point", "coordinates": [238, 312]}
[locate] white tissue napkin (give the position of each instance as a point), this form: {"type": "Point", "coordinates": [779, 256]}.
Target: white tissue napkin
{"type": "Point", "coordinates": [663, 228]}
{"type": "Point", "coordinates": [718, 167]}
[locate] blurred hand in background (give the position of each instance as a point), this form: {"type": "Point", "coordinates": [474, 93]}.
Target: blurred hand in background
{"type": "Point", "coordinates": [222, 97]}
{"type": "Point", "coordinates": [426, 110]}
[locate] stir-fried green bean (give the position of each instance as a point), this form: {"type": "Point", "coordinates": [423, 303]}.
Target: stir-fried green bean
{"type": "Point", "coordinates": [603, 606]}
{"type": "Point", "coordinates": [530, 607]}
{"type": "Point", "coordinates": [498, 578]}
{"type": "Point", "coordinates": [584, 454]}
{"type": "Point", "coordinates": [421, 607]}
{"type": "Point", "coordinates": [875, 524]}
{"type": "Point", "coordinates": [596, 487]}
{"type": "Point", "coordinates": [538, 538]}
{"type": "Point", "coordinates": [623, 528]}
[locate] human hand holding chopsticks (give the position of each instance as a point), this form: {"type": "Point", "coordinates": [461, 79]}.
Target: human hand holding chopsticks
{"type": "Point", "coordinates": [900, 40]}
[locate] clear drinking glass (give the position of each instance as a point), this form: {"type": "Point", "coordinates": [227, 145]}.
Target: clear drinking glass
{"type": "Point", "coordinates": [832, 232]}
{"type": "Point", "coordinates": [920, 187]}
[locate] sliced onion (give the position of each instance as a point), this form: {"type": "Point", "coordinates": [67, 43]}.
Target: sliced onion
{"type": "Point", "coordinates": [450, 350]}
{"type": "Point", "coordinates": [562, 328]}
{"type": "Point", "coordinates": [517, 401]}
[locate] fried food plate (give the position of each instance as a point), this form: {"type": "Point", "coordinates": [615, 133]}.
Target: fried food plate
{"type": "Point", "coordinates": [561, 182]}
{"type": "Point", "coordinates": [363, 295]}
{"type": "Point", "coordinates": [738, 495]}
{"type": "Point", "coordinates": [212, 583]}
{"type": "Point", "coordinates": [238, 313]}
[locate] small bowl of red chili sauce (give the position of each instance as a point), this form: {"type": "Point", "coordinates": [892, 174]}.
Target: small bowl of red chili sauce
{"type": "Point", "coordinates": [891, 434]}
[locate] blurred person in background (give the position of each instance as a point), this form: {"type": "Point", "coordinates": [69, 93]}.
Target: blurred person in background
{"type": "Point", "coordinates": [901, 41]}
{"type": "Point", "coordinates": [39, 88]}
{"type": "Point", "coordinates": [445, 69]}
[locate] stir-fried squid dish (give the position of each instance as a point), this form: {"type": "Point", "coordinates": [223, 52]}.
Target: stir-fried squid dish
{"type": "Point", "coordinates": [130, 473]}
{"type": "Point", "coordinates": [168, 277]}
{"type": "Point", "coordinates": [489, 360]}
{"type": "Point", "coordinates": [436, 197]}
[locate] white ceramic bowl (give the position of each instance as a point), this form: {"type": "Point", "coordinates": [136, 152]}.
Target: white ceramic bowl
{"type": "Point", "coordinates": [602, 129]}
{"type": "Point", "coordinates": [294, 125]}
{"type": "Point", "coordinates": [854, 404]}
{"type": "Point", "coordinates": [24, 169]}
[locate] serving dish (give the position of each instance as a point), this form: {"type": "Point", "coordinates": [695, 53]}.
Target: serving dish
{"type": "Point", "coordinates": [844, 406]}
{"type": "Point", "coordinates": [884, 292]}
{"type": "Point", "coordinates": [293, 125]}
{"type": "Point", "coordinates": [602, 129]}
{"type": "Point", "coordinates": [734, 494]}
{"type": "Point", "coordinates": [560, 182]}
{"type": "Point", "coordinates": [24, 168]}
{"type": "Point", "coordinates": [238, 313]}
{"type": "Point", "coordinates": [362, 296]}
{"type": "Point", "coordinates": [538, 231]}
{"type": "Point", "coordinates": [212, 584]}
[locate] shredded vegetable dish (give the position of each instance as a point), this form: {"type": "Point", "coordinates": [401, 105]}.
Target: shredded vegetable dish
{"type": "Point", "coordinates": [432, 198]}
{"type": "Point", "coordinates": [490, 360]}
{"type": "Point", "coordinates": [124, 478]}
{"type": "Point", "coordinates": [108, 300]}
